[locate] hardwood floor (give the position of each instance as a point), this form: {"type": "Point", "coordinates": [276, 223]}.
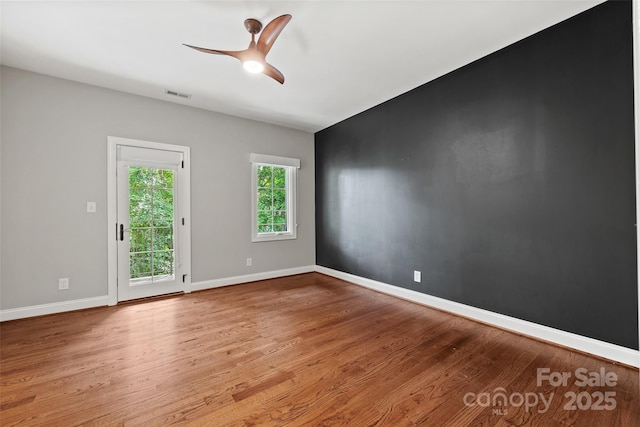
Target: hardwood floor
{"type": "Point", "coordinates": [305, 350]}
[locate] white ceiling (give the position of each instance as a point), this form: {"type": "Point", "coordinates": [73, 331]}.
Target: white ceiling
{"type": "Point", "coordinates": [338, 57]}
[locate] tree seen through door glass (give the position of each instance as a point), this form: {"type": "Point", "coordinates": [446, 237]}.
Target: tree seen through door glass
{"type": "Point", "coordinates": [151, 222]}
{"type": "Point", "coordinates": [272, 199]}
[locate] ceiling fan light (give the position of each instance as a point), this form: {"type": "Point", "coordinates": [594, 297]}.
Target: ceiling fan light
{"type": "Point", "coordinates": [253, 66]}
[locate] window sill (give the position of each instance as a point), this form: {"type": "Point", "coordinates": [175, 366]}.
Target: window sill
{"type": "Point", "coordinates": [269, 237]}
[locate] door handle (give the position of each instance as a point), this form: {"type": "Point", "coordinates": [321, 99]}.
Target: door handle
{"type": "Point", "coordinates": [121, 232]}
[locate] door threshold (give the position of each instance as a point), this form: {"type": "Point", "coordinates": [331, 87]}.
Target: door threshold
{"type": "Point", "coordinates": [151, 298]}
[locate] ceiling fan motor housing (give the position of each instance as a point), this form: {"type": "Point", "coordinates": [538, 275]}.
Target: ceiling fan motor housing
{"type": "Point", "coordinates": [253, 25]}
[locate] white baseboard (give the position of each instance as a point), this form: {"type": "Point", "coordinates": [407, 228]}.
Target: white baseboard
{"type": "Point", "coordinates": [234, 280]}
{"type": "Point", "coordinates": [52, 308]}
{"type": "Point", "coordinates": [80, 304]}
{"type": "Point", "coordinates": [603, 349]}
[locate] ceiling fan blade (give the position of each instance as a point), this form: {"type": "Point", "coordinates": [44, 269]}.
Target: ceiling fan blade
{"type": "Point", "coordinates": [236, 54]}
{"type": "Point", "coordinates": [274, 73]}
{"type": "Point", "coordinates": [271, 32]}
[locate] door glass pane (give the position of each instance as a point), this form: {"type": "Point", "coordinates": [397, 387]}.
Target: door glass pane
{"type": "Point", "coordinates": [162, 238]}
{"type": "Point", "coordinates": [140, 239]}
{"type": "Point", "coordinates": [163, 264]}
{"type": "Point", "coordinates": [151, 223]}
{"type": "Point", "coordinates": [140, 266]}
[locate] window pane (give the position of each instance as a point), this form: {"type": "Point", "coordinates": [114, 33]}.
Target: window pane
{"type": "Point", "coordinates": [279, 177]}
{"type": "Point", "coordinates": [280, 218]}
{"type": "Point", "coordinates": [265, 229]}
{"type": "Point", "coordinates": [265, 201]}
{"type": "Point", "coordinates": [265, 175]}
{"type": "Point", "coordinates": [279, 200]}
{"type": "Point", "coordinates": [265, 217]}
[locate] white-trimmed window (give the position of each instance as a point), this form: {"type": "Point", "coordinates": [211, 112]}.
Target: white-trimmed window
{"type": "Point", "coordinates": [273, 195]}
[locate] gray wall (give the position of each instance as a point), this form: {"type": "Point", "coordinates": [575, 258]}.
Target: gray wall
{"type": "Point", "coordinates": [54, 160]}
{"type": "Point", "coordinates": [510, 183]}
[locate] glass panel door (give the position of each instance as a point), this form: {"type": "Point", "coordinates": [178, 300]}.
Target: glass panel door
{"type": "Point", "coordinates": [149, 259]}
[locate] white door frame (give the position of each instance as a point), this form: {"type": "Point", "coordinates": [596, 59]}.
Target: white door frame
{"type": "Point", "coordinates": [112, 213]}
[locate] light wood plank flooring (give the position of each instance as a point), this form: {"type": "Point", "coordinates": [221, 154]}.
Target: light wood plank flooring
{"type": "Point", "coordinates": [305, 350]}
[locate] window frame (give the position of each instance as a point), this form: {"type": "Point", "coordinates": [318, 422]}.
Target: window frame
{"type": "Point", "coordinates": [291, 167]}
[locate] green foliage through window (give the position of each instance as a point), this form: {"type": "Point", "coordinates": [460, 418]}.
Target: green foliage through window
{"type": "Point", "coordinates": [272, 199]}
{"type": "Point", "coordinates": [151, 219]}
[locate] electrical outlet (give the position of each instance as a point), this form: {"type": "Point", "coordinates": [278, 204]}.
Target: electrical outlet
{"type": "Point", "coordinates": [91, 207]}
{"type": "Point", "coordinates": [417, 276]}
{"type": "Point", "coordinates": [63, 284]}
{"type": "Point", "coordinates": [249, 262]}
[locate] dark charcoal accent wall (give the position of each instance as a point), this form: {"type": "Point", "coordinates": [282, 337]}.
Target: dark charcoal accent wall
{"type": "Point", "coordinates": [509, 182]}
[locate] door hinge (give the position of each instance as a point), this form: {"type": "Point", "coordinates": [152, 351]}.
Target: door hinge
{"type": "Point", "coordinates": [183, 164]}
{"type": "Point", "coordinates": [184, 277]}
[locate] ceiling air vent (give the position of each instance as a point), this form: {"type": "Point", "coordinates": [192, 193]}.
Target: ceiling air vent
{"type": "Point", "coordinates": [178, 94]}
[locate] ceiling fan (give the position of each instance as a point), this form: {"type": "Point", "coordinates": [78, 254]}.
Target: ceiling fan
{"type": "Point", "coordinates": [253, 58]}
